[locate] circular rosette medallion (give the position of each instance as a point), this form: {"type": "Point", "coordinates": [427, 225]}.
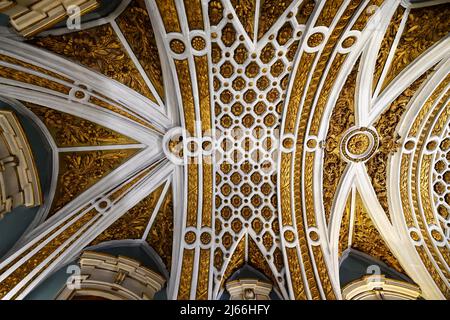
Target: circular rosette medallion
{"type": "Point", "coordinates": [359, 144]}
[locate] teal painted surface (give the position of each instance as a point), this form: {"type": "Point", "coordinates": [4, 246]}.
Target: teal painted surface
{"type": "Point", "coordinates": [4, 20]}
{"type": "Point", "coordinates": [356, 264]}
{"type": "Point", "coordinates": [15, 223]}
{"type": "Point", "coordinates": [50, 287]}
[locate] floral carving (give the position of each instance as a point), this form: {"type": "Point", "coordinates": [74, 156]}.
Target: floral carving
{"type": "Point", "coordinates": [100, 49]}
{"type": "Point", "coordinates": [81, 170]}
{"type": "Point", "coordinates": [70, 131]}
{"type": "Point", "coordinates": [133, 223]}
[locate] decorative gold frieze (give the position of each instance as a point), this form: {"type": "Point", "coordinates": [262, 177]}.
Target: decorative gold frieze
{"type": "Point", "coordinates": [269, 13]}
{"type": "Point", "coordinates": [417, 199]}
{"type": "Point", "coordinates": [187, 268]}
{"type": "Point", "coordinates": [236, 260]}
{"type": "Point", "coordinates": [17, 62]}
{"type": "Point", "coordinates": [367, 239]}
{"type": "Point", "coordinates": [257, 260]}
{"type": "Point", "coordinates": [103, 103]}
{"type": "Point", "coordinates": [203, 275]}
{"type": "Point", "coordinates": [328, 13]}
{"type": "Point", "coordinates": [194, 14]}
{"type": "Point", "coordinates": [13, 73]}
{"type": "Point", "coordinates": [386, 128]}
{"type": "Point", "coordinates": [386, 45]}
{"type": "Point", "coordinates": [341, 120]}
{"type": "Point", "coordinates": [424, 27]}
{"type": "Point", "coordinates": [245, 10]}
{"type": "Point", "coordinates": [169, 15]}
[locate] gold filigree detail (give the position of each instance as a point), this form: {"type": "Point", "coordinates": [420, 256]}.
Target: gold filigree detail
{"type": "Point", "coordinates": [198, 43]}
{"type": "Point", "coordinates": [194, 14]}
{"type": "Point", "coordinates": [177, 46]}
{"type": "Point", "coordinates": [386, 44]}
{"type": "Point", "coordinates": [71, 131]}
{"type": "Point", "coordinates": [80, 170]}
{"type": "Point", "coordinates": [203, 276]}
{"type": "Point", "coordinates": [270, 12]}
{"type": "Point", "coordinates": [305, 10]}
{"type": "Point", "coordinates": [358, 144]}
{"type": "Point", "coordinates": [133, 223]}
{"type": "Point", "coordinates": [236, 261]}
{"type": "Point", "coordinates": [169, 15]}
{"type": "Point", "coordinates": [160, 237]}
{"type": "Point", "coordinates": [424, 27]}
{"type": "Point", "coordinates": [137, 29]}
{"type": "Point", "coordinates": [98, 48]}
{"type": "Point", "coordinates": [386, 127]}
{"type": "Point", "coordinates": [245, 10]}
{"type": "Point", "coordinates": [186, 274]}
{"type": "Point", "coordinates": [257, 260]}
{"type": "Point", "coordinates": [29, 66]}
{"type": "Point", "coordinates": [32, 79]}
{"type": "Point", "coordinates": [367, 239]}
{"type": "Point", "coordinates": [328, 12]}
{"type": "Point", "coordinates": [215, 11]}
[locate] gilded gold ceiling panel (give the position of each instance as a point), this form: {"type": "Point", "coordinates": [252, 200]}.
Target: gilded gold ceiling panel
{"type": "Point", "coordinates": [80, 170]}
{"type": "Point", "coordinates": [417, 36]}
{"type": "Point", "coordinates": [132, 225]}
{"type": "Point", "coordinates": [367, 239]}
{"type": "Point", "coordinates": [100, 48]}
{"type": "Point", "coordinates": [71, 131]}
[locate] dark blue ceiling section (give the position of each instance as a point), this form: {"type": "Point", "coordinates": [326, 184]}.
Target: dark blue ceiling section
{"type": "Point", "coordinates": [52, 286]}
{"type": "Point", "coordinates": [248, 272]}
{"type": "Point", "coordinates": [14, 224]}
{"type": "Point", "coordinates": [356, 264]}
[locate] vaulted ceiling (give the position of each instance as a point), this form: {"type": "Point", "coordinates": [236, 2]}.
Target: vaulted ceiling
{"type": "Point", "coordinates": [222, 133]}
